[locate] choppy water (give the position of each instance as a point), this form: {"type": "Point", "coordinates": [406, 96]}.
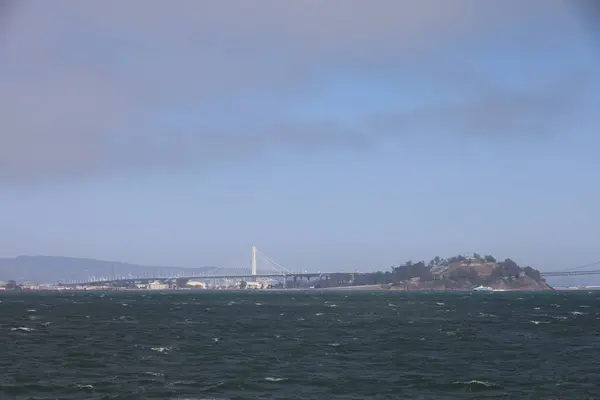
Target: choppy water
{"type": "Point", "coordinates": [297, 345]}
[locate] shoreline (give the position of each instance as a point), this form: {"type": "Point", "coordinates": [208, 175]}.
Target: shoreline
{"type": "Point", "coordinates": [361, 288]}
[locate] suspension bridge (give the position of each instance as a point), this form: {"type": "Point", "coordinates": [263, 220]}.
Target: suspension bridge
{"type": "Point", "coordinates": [581, 270]}
{"type": "Point", "coordinates": [260, 267]}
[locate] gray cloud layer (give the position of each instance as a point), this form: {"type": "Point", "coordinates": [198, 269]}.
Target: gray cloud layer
{"type": "Point", "coordinates": [83, 83]}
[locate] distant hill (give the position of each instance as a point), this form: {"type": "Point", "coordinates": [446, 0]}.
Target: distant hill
{"type": "Point", "coordinates": [459, 273]}
{"type": "Point", "coordinates": [454, 273]}
{"type": "Point", "coordinates": [51, 269]}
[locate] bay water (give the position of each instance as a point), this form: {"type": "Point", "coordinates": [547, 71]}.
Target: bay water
{"type": "Point", "coordinates": [299, 345]}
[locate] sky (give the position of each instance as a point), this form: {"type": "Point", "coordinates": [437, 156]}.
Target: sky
{"type": "Point", "coordinates": [333, 135]}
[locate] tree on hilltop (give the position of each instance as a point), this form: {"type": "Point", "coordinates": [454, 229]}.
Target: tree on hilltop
{"type": "Point", "coordinates": [408, 270]}
{"type": "Point", "coordinates": [456, 259]}
{"type": "Point", "coordinates": [532, 273]}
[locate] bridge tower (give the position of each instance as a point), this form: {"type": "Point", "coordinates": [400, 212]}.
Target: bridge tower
{"type": "Point", "coordinates": [253, 261]}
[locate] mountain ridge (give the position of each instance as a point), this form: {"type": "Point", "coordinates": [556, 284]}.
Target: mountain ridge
{"type": "Point", "coordinates": [52, 269]}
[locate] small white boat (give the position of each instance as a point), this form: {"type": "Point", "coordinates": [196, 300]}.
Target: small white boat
{"type": "Point", "coordinates": [483, 289]}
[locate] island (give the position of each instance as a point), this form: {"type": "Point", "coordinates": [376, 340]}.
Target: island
{"type": "Point", "coordinates": [454, 273]}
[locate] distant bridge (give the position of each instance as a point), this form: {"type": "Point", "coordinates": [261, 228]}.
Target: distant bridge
{"type": "Point", "coordinates": [581, 270]}
{"type": "Point", "coordinates": [571, 273]}
{"type": "Point", "coordinates": [267, 269]}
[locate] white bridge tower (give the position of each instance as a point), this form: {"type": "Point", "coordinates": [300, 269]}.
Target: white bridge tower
{"type": "Point", "coordinates": [253, 260]}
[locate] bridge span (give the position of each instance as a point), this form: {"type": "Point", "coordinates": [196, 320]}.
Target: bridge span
{"type": "Point", "coordinates": [262, 267]}
{"type": "Point", "coordinates": [571, 273]}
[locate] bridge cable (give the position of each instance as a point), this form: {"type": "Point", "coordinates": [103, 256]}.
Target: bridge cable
{"type": "Point", "coordinates": [579, 267]}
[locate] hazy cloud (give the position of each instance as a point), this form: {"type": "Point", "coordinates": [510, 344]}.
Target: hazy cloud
{"type": "Point", "coordinates": [496, 111]}
{"type": "Point", "coordinates": [83, 85]}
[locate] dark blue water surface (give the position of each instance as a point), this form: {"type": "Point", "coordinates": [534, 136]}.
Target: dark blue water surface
{"type": "Point", "coordinates": [299, 345]}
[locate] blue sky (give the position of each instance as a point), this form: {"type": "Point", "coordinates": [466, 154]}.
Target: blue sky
{"type": "Point", "coordinates": [332, 135]}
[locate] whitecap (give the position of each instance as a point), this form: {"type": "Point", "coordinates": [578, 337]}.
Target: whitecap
{"type": "Point", "coordinates": [161, 349]}
{"type": "Point", "coordinates": [154, 373]}
{"type": "Point", "coordinates": [476, 383]}
{"type": "Point", "coordinates": [486, 315]}
{"type": "Point", "coordinates": [22, 328]}
{"type": "Point", "coordinates": [273, 379]}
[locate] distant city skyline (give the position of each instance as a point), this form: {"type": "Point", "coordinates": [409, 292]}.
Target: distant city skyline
{"type": "Point", "coordinates": [338, 134]}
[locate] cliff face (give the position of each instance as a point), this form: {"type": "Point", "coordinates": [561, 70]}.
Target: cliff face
{"type": "Point", "coordinates": [466, 274]}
